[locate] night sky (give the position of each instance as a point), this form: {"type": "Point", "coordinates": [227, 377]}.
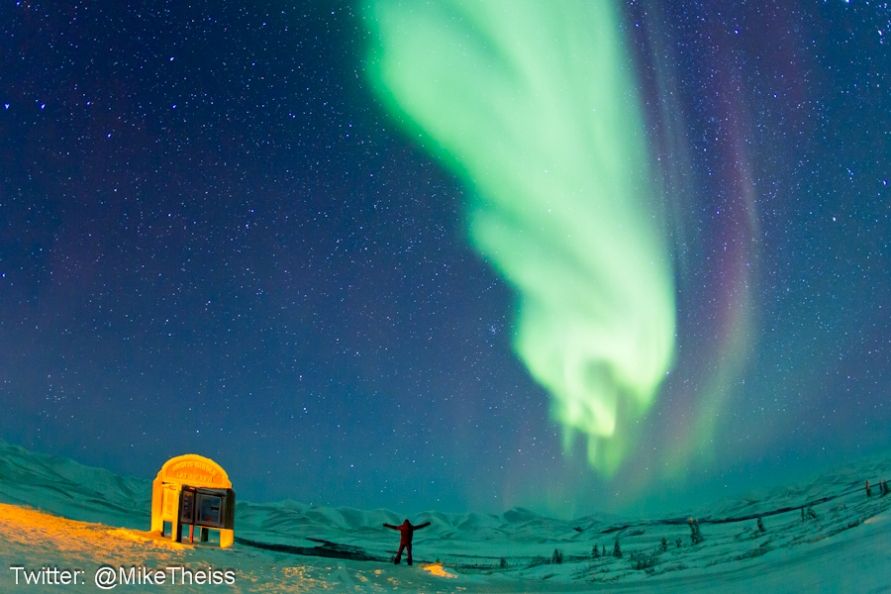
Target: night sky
{"type": "Point", "coordinates": [214, 238]}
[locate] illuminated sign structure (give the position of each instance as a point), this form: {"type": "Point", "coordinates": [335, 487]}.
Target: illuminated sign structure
{"type": "Point", "coordinates": [195, 491]}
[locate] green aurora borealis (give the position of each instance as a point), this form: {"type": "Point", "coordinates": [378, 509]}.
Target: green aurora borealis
{"type": "Point", "coordinates": [538, 114]}
{"type": "Point", "coordinates": [421, 254]}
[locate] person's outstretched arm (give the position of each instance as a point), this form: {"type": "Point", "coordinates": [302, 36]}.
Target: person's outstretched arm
{"type": "Point", "coordinates": [391, 526]}
{"type": "Point", "coordinates": [424, 525]}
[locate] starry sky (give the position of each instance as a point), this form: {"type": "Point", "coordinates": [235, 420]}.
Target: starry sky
{"type": "Point", "coordinates": [216, 238]}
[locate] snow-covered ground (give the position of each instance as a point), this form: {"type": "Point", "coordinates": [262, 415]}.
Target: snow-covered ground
{"type": "Point", "coordinates": [99, 518]}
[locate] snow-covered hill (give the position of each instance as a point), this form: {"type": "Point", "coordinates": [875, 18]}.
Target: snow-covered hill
{"type": "Point", "coordinates": [826, 536]}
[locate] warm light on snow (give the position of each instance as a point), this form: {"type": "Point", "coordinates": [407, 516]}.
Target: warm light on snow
{"type": "Point", "coordinates": [438, 570]}
{"type": "Point", "coordinates": [31, 527]}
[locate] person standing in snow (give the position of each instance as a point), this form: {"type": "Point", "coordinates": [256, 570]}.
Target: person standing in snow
{"type": "Point", "coordinates": [406, 533]}
{"type": "Point", "coordinates": [695, 534]}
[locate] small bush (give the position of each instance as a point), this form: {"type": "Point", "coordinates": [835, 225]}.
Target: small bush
{"type": "Point", "coordinates": [640, 560]}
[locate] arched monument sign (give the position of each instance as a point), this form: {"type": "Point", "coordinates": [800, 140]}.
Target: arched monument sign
{"type": "Point", "coordinates": [194, 491]}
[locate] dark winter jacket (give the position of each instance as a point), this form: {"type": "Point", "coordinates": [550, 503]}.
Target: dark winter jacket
{"type": "Point", "coordinates": [406, 531]}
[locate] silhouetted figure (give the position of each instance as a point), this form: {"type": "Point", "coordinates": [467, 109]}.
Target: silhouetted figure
{"type": "Point", "coordinates": [761, 525]}
{"type": "Point", "coordinates": [868, 489]}
{"type": "Point", "coordinates": [695, 534]}
{"type": "Point", "coordinates": [883, 487]}
{"type": "Point", "coordinates": [406, 533]}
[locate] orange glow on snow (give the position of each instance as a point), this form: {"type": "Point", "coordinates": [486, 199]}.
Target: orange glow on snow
{"type": "Point", "coordinates": [438, 570]}
{"type": "Point", "coordinates": [33, 529]}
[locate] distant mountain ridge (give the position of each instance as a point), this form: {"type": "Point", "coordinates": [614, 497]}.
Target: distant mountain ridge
{"type": "Point", "coordinates": [62, 486]}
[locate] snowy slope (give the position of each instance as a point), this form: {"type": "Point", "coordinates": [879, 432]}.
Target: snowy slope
{"type": "Point", "coordinates": [289, 546]}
